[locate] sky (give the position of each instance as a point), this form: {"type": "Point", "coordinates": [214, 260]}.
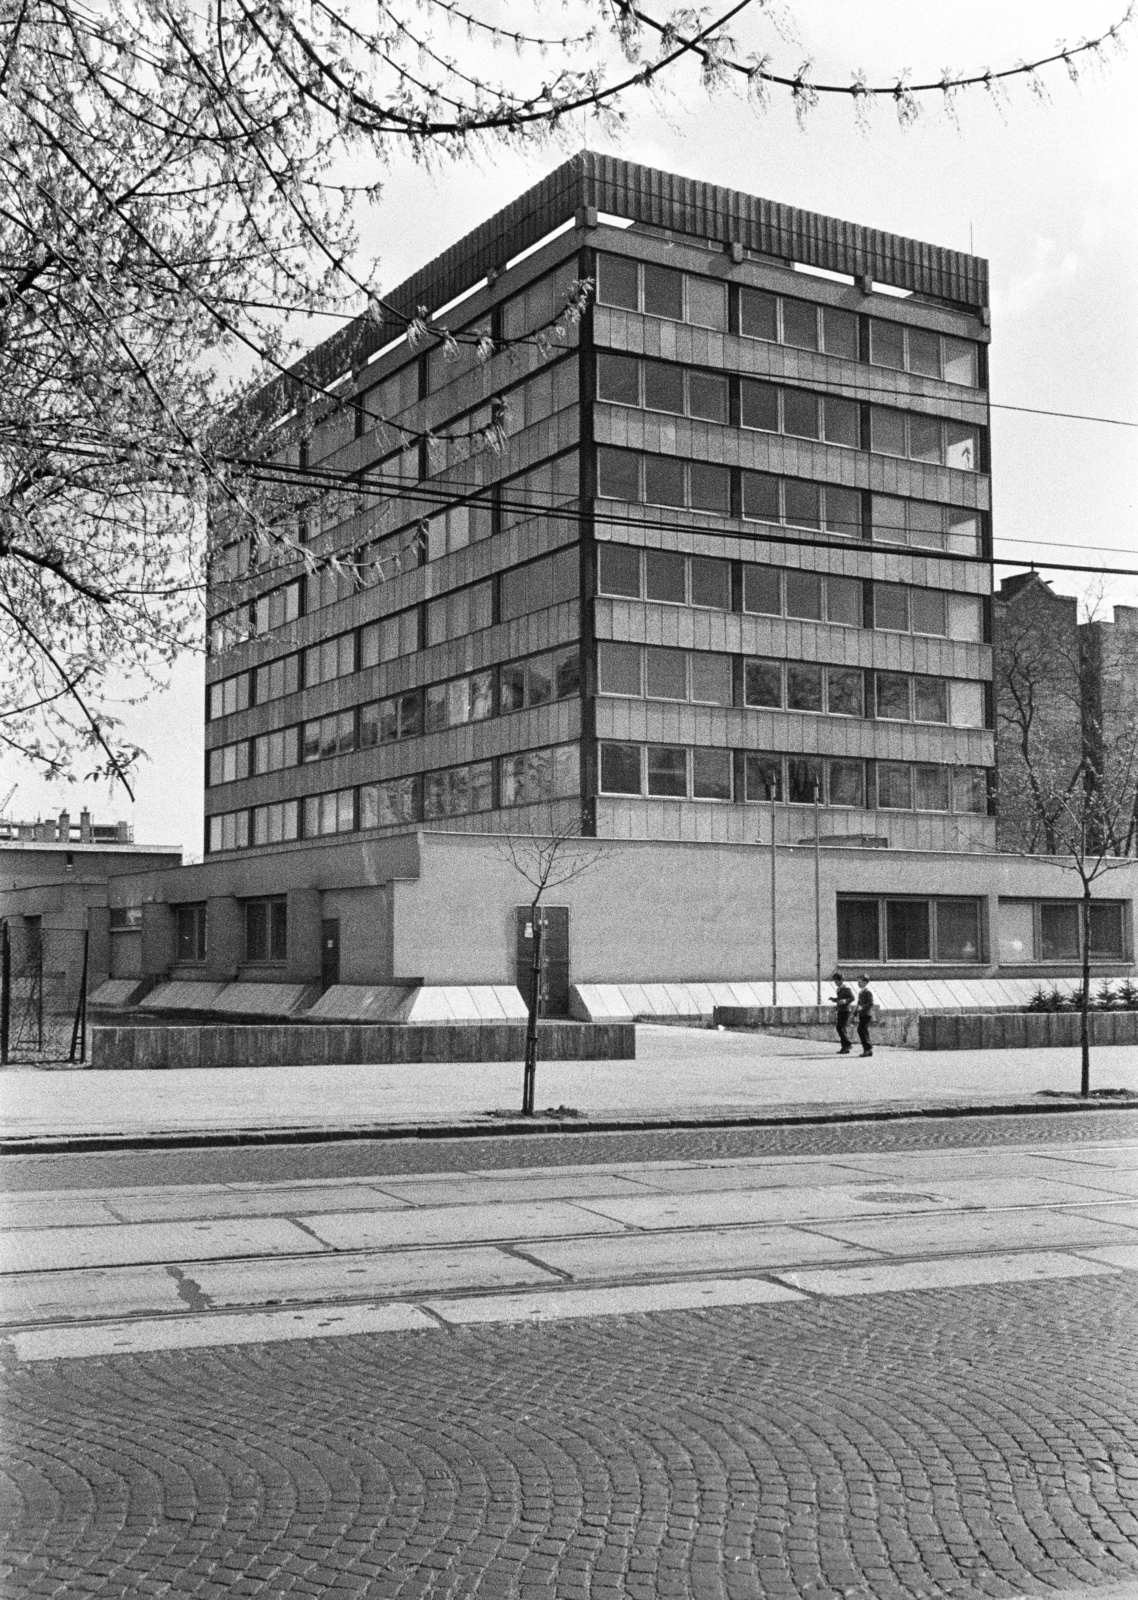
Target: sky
{"type": "Point", "coordinates": [1047, 190]}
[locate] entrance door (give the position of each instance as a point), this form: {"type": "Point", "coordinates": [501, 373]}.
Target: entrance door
{"type": "Point", "coordinates": [555, 958]}
{"type": "Point", "coordinates": [329, 952]}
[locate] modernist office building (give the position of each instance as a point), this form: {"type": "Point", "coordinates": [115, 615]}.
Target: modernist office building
{"type": "Point", "coordinates": [711, 557]}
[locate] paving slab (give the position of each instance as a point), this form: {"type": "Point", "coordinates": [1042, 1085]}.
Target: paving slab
{"type": "Point", "coordinates": [472, 1189]}
{"type": "Point", "coordinates": [708, 1251]}
{"type": "Point", "coordinates": [953, 1232]}
{"type": "Point", "coordinates": [1116, 1255]}
{"type": "Point", "coordinates": [734, 1207]}
{"type": "Point", "coordinates": [38, 1249]}
{"type": "Point", "coordinates": [66, 1209]}
{"type": "Point", "coordinates": [751, 1174]}
{"type": "Point", "coordinates": [626, 1300]}
{"type": "Point", "coordinates": [457, 1225]}
{"type": "Point", "coordinates": [946, 1273]}
{"type": "Point", "coordinates": [94, 1292]}
{"type": "Point", "coordinates": [1123, 1214]}
{"type": "Point", "coordinates": [280, 1200]}
{"type": "Point", "coordinates": [204, 1332]}
{"type": "Point", "coordinates": [389, 1272]}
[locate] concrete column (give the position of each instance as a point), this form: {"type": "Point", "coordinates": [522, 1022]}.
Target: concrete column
{"type": "Point", "coordinates": [157, 939]}
{"type": "Point", "coordinates": [991, 913]}
{"type": "Point", "coordinates": [224, 937]}
{"type": "Point", "coordinates": [304, 911]}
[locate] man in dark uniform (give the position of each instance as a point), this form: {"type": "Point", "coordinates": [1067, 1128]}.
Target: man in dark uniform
{"type": "Point", "coordinates": [864, 1014]}
{"type": "Point", "coordinates": [844, 1000]}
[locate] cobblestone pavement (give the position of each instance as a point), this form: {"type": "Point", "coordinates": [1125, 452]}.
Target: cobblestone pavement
{"type": "Point", "coordinates": [954, 1443]}
{"type": "Point", "coordinates": [368, 1157]}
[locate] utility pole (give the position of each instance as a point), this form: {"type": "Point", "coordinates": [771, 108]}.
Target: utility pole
{"type": "Point", "coordinates": [774, 899]}
{"type": "Point", "coordinates": [817, 900]}
{"type": "Point", "coordinates": [529, 1076]}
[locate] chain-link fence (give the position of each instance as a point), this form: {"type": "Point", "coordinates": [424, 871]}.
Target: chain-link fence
{"type": "Point", "coordinates": [43, 993]}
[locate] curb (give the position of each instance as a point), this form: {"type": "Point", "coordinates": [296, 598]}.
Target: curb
{"type": "Point", "coordinates": [500, 1127]}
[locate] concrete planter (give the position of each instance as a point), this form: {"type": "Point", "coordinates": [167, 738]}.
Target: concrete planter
{"type": "Point", "coordinates": [813, 1022]}
{"type": "Point", "coordinates": [1020, 1030]}
{"type": "Point", "coordinates": [352, 1044]}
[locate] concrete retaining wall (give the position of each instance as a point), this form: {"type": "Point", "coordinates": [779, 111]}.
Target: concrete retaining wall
{"type": "Point", "coordinates": [285, 1045]}
{"type": "Point", "coordinates": [1024, 1030]}
{"type": "Point", "coordinates": [810, 1022]}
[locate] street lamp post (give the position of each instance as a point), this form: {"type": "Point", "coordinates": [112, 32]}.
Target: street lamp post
{"type": "Point", "coordinates": [817, 900]}
{"type": "Point", "coordinates": [771, 791]}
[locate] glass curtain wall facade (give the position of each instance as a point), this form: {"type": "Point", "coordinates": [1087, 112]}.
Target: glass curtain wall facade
{"type": "Point", "coordinates": [717, 550]}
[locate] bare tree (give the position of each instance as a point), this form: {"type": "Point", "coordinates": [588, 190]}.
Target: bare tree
{"type": "Point", "coordinates": [548, 852]}
{"type": "Point", "coordinates": [177, 189]}
{"type": "Point", "coordinates": [1068, 778]}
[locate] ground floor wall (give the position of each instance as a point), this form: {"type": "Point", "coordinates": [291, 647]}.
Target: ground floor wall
{"type": "Point", "coordinates": [443, 909]}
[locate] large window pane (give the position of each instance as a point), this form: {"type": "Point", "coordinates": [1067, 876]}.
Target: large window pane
{"type": "Point", "coordinates": [843, 423]}
{"type": "Point", "coordinates": [963, 531]}
{"type": "Point", "coordinates": [663, 292]}
{"type": "Point", "coordinates": [844, 691]}
{"type": "Point", "coordinates": [707, 303]}
{"type": "Point", "coordinates": [1016, 931]}
{"type": "Point", "coordinates": [618, 668]}
{"type": "Point", "coordinates": [762, 683]}
{"type": "Point", "coordinates": [858, 937]}
{"type": "Point", "coordinates": [963, 447]}
{"type": "Point", "coordinates": [667, 770]}
{"type": "Point", "coordinates": [758, 314]}
{"type": "Point", "coordinates": [803, 686]}
{"type": "Point", "coordinates": [665, 674]}
{"type": "Point", "coordinates": [665, 576]}
{"type": "Point", "coordinates": [924, 352]}
{"type": "Point", "coordinates": [763, 777]}
{"type": "Point", "coordinates": [663, 481]}
{"type": "Point", "coordinates": [803, 595]}
{"type": "Point", "coordinates": [803, 503]}
{"type": "Point", "coordinates": [512, 687]}
{"type": "Point", "coordinates": [707, 396]}
{"type": "Point", "coordinates": [800, 414]}
{"type": "Point", "coordinates": [760, 496]}
{"type": "Point", "coordinates": [928, 611]}
{"type": "Point", "coordinates": [891, 607]}
{"type": "Point", "coordinates": [759, 405]}
{"type": "Point", "coordinates": [839, 333]}
{"type": "Point", "coordinates": [617, 282]}
{"type": "Point", "coordinates": [539, 681]}
{"type": "Point", "coordinates": [1106, 932]}
{"type": "Point", "coordinates": [907, 930]}
{"type": "Point", "coordinates": [847, 783]}
{"type": "Point", "coordinates": [1059, 931]}
{"type": "Point", "coordinates": [926, 524]}
{"type": "Point", "coordinates": [924, 437]}
{"type": "Point", "coordinates": [711, 774]}
{"type": "Point", "coordinates": [800, 324]}
{"type": "Point", "coordinates": [970, 790]}
{"type": "Point", "coordinates": [887, 344]}
{"type": "Point", "coordinates": [894, 786]}
{"type": "Point", "coordinates": [710, 488]}
{"type": "Point", "coordinates": [618, 474]}
{"type": "Point", "coordinates": [887, 431]}
{"type": "Point", "coordinates": [619, 570]}
{"type": "Point", "coordinates": [958, 930]}
{"type": "Point", "coordinates": [620, 768]}
{"type": "Point", "coordinates": [931, 787]}
{"type": "Point", "coordinates": [960, 365]}
{"type": "Point", "coordinates": [804, 779]}
{"type": "Point", "coordinates": [618, 379]}
{"type": "Point", "coordinates": [843, 601]}
{"type": "Point", "coordinates": [762, 590]}
{"type": "Point", "coordinates": [664, 387]}
{"type": "Point", "coordinates": [710, 583]}
{"type": "Point", "coordinates": [889, 523]}
{"type": "Point", "coordinates": [711, 679]}
{"type": "Point", "coordinates": [930, 697]}
{"type": "Point", "coordinates": [893, 696]}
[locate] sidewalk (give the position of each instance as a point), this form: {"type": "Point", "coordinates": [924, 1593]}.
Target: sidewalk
{"type": "Point", "coordinates": [680, 1076]}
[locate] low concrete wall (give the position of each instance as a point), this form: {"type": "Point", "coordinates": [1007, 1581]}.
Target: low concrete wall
{"type": "Point", "coordinates": [810, 1022]}
{"type": "Point", "coordinates": [1019, 1030]}
{"type": "Point", "coordinates": [285, 1045]}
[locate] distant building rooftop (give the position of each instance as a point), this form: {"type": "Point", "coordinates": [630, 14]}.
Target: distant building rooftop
{"type": "Point", "coordinates": [65, 834]}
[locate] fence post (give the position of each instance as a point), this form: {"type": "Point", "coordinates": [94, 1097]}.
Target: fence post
{"type": "Point", "coordinates": [5, 991]}
{"type": "Point", "coordinates": [79, 1030]}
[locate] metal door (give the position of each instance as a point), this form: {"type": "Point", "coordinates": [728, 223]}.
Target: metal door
{"type": "Point", "coordinates": [555, 958]}
{"type": "Point", "coordinates": [329, 952]}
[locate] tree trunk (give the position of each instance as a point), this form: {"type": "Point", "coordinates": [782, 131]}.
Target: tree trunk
{"type": "Point", "coordinates": [529, 1075]}
{"type": "Point", "coordinates": [1085, 1006]}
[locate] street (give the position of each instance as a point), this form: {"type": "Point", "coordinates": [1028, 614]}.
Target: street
{"type": "Point", "coordinates": [868, 1359]}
